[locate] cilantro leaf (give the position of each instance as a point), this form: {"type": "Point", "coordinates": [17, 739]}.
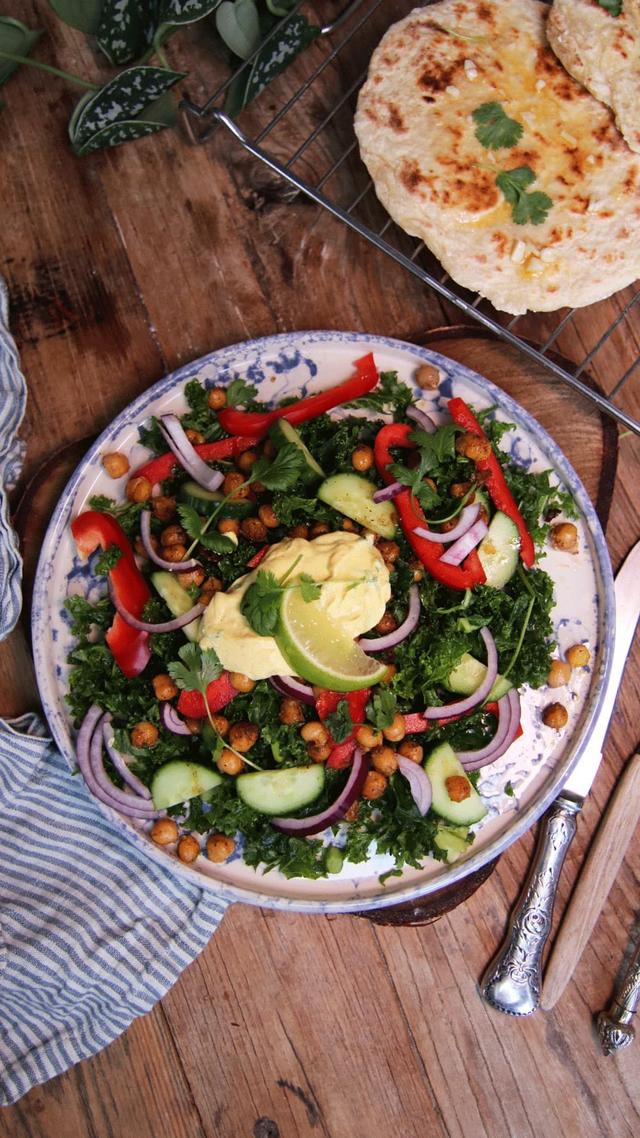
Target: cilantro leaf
{"type": "Point", "coordinates": [107, 560]}
{"type": "Point", "coordinates": [426, 495]}
{"type": "Point", "coordinates": [525, 206]}
{"type": "Point", "coordinates": [210, 666]}
{"type": "Point", "coordinates": [309, 588]}
{"type": "Point", "coordinates": [190, 521]}
{"type": "Point", "coordinates": [281, 472]}
{"type": "Point", "coordinates": [216, 542]}
{"type": "Point", "coordinates": [613, 7]}
{"type": "Point", "coordinates": [260, 605]}
{"type": "Point", "coordinates": [196, 528]}
{"type": "Point", "coordinates": [239, 393]}
{"type": "Point", "coordinates": [381, 709]}
{"type": "Point", "coordinates": [494, 128]}
{"type": "Point", "coordinates": [196, 668]}
{"type": "Point", "coordinates": [339, 722]}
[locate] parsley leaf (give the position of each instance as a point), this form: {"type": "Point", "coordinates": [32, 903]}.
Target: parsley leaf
{"type": "Point", "coordinates": [339, 722]}
{"type": "Point", "coordinates": [433, 451]}
{"type": "Point", "coordinates": [260, 605]}
{"type": "Point", "coordinates": [239, 393]}
{"type": "Point", "coordinates": [126, 513]}
{"type": "Point", "coordinates": [281, 472]}
{"type": "Point", "coordinates": [494, 128]}
{"type": "Point", "coordinates": [309, 588]}
{"type": "Point", "coordinates": [200, 417]}
{"type": "Point", "coordinates": [525, 206]}
{"type": "Point", "coordinates": [613, 7]}
{"type": "Point", "coordinates": [508, 789]}
{"type": "Point", "coordinates": [196, 668]}
{"type": "Point", "coordinates": [381, 709]}
{"type": "Point", "coordinates": [389, 394]}
{"type": "Point", "coordinates": [107, 560]}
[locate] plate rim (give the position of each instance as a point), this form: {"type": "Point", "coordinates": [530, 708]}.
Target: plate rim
{"type": "Point", "coordinates": [133, 412]}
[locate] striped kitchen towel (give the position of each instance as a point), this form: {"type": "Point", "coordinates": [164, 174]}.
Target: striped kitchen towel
{"type": "Point", "coordinates": [92, 932]}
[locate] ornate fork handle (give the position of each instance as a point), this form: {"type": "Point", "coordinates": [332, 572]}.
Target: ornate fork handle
{"type": "Point", "coordinates": [614, 1025]}
{"type": "Point", "coordinates": [513, 980]}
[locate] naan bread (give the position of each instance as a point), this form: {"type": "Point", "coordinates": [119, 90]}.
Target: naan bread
{"type": "Point", "coordinates": [417, 139]}
{"type": "Point", "coordinates": [603, 52]}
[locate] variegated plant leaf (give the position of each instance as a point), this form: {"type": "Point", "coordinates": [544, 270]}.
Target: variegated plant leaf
{"type": "Point", "coordinates": [276, 55]}
{"type": "Point", "coordinates": [238, 26]}
{"type": "Point", "coordinates": [126, 28]}
{"type": "Point", "coordinates": [174, 14]}
{"type": "Point", "coordinates": [116, 134]}
{"type": "Point", "coordinates": [17, 38]}
{"type": "Point", "coordinates": [126, 98]}
{"type": "Point", "coordinates": [81, 14]}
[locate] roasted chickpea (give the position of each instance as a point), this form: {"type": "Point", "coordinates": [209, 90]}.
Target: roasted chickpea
{"type": "Point", "coordinates": [164, 686]}
{"type": "Point", "coordinates": [138, 489]}
{"type": "Point", "coordinates": [219, 847]}
{"type": "Point", "coordinates": [245, 461]}
{"type": "Point", "coordinates": [458, 787]}
{"type": "Point", "coordinates": [291, 712]}
{"type": "Point", "coordinates": [578, 655]}
{"type": "Point", "coordinates": [386, 624]}
{"type": "Point", "coordinates": [163, 508]}
{"type": "Point", "coordinates": [164, 831]}
{"type": "Point", "coordinates": [459, 489]}
{"type": "Point", "coordinates": [216, 398]}
{"type": "Point", "coordinates": [175, 553]}
{"type": "Point", "coordinates": [390, 551]}
{"type": "Point", "coordinates": [412, 751]}
{"type": "Point", "coordinates": [384, 760]}
{"type": "Point", "coordinates": [555, 715]}
{"type": "Point", "coordinates": [427, 377]}
{"type": "Point", "coordinates": [234, 483]}
{"type": "Point", "coordinates": [173, 535]}
{"type": "Point", "coordinates": [268, 517]}
{"type": "Point", "coordinates": [375, 785]}
{"type": "Point", "coordinates": [115, 464]}
{"type": "Point", "coordinates": [221, 724]}
{"type": "Point", "coordinates": [194, 725]}
{"type": "Point", "coordinates": [229, 525]}
{"type": "Point", "coordinates": [211, 585]}
{"type": "Point", "coordinates": [367, 738]}
{"type": "Point", "coordinates": [240, 682]}
{"type": "Point", "coordinates": [416, 567]}
{"type": "Point", "coordinates": [242, 736]}
{"type": "Point", "coordinates": [472, 446]}
{"type": "Point", "coordinates": [254, 530]}
{"type": "Point", "coordinates": [318, 529]}
{"type": "Point", "coordinates": [352, 813]}
{"type": "Point", "coordinates": [559, 674]}
{"type": "Point", "coordinates": [299, 531]}
{"type": "Point", "coordinates": [140, 549]}
{"type": "Point", "coordinates": [396, 729]}
{"type": "Point", "coordinates": [191, 577]}
{"type": "Point", "coordinates": [319, 752]}
{"type": "Point", "coordinates": [314, 732]}
{"type": "Point", "coordinates": [389, 674]}
{"type": "Point", "coordinates": [144, 734]}
{"type": "Point", "coordinates": [196, 438]}
{"type": "Point", "coordinates": [349, 526]}
{"type": "Point", "coordinates": [188, 848]}
{"type": "Point", "coordinates": [362, 458]}
{"type": "Point", "coordinates": [564, 536]}
{"type": "Point", "coordinates": [229, 763]}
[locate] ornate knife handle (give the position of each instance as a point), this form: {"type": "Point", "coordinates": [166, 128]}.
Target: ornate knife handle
{"type": "Point", "coordinates": [614, 1025]}
{"type": "Point", "coordinates": [513, 980]}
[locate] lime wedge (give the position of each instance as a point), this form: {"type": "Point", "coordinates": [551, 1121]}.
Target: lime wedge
{"type": "Point", "coordinates": [319, 651]}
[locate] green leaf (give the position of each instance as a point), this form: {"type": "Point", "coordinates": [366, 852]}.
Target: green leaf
{"type": "Point", "coordinates": [196, 669]}
{"type": "Point", "coordinates": [17, 38]}
{"type": "Point", "coordinates": [191, 521]}
{"type": "Point", "coordinates": [613, 7]}
{"type": "Point", "coordinates": [389, 394]}
{"type": "Point", "coordinates": [525, 206]}
{"type": "Point", "coordinates": [276, 55]}
{"type": "Point", "coordinates": [126, 29]}
{"type": "Point", "coordinates": [177, 13]}
{"type": "Point", "coordinates": [514, 182]}
{"type": "Point", "coordinates": [260, 605]}
{"type": "Point", "coordinates": [216, 542]}
{"type": "Point", "coordinates": [238, 26]}
{"type": "Point", "coordinates": [532, 207]}
{"type": "Point", "coordinates": [81, 14]}
{"type": "Point", "coordinates": [339, 722]}
{"type": "Point", "coordinates": [309, 589]}
{"type": "Point", "coordinates": [210, 666]}
{"type": "Point", "coordinates": [114, 114]}
{"type": "Point", "coordinates": [107, 560]}
{"type": "Point", "coordinates": [239, 392]}
{"type": "Point", "coordinates": [382, 709]}
{"type": "Point", "coordinates": [494, 128]}
{"type": "Point", "coordinates": [281, 472]}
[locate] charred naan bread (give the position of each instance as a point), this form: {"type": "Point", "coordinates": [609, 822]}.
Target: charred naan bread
{"type": "Point", "coordinates": [603, 52]}
{"type": "Point", "coordinates": [417, 137]}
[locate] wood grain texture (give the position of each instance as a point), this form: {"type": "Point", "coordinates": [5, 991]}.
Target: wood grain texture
{"type": "Point", "coordinates": [121, 266]}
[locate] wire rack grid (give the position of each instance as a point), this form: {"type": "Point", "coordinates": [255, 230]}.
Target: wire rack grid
{"type": "Point", "coordinates": [310, 144]}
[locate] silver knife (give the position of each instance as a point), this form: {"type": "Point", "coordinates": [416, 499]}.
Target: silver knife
{"type": "Point", "coordinates": [512, 982]}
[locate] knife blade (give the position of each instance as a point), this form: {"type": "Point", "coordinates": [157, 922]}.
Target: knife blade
{"type": "Point", "coordinates": [512, 982]}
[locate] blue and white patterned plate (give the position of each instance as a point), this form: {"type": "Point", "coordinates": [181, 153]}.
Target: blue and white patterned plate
{"type": "Point", "coordinates": [536, 766]}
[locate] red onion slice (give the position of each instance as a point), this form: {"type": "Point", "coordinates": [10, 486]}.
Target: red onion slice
{"type": "Point", "coordinates": [172, 625]}
{"type": "Point", "coordinates": [388, 492]}
{"type": "Point", "coordinates": [419, 782]}
{"type": "Point", "coordinates": [392, 639]}
{"type": "Point", "coordinates": [467, 518]}
{"type": "Point", "coordinates": [508, 724]}
{"type": "Point", "coordinates": [293, 688]}
{"type": "Point", "coordinates": [424, 421]}
{"type": "Point", "coordinates": [316, 823]}
{"type": "Point", "coordinates": [172, 721]}
{"type": "Point", "coordinates": [172, 566]}
{"type": "Point", "coordinates": [481, 691]}
{"type": "Point", "coordinates": [120, 763]}
{"type": "Point", "coordinates": [463, 546]}
{"type": "Point", "coordinates": [90, 741]}
{"type": "Point", "coordinates": [186, 454]}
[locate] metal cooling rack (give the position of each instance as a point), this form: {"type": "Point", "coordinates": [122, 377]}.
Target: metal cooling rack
{"type": "Point", "coordinates": [299, 144]}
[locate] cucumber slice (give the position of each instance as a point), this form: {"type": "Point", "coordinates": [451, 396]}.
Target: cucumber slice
{"type": "Point", "coordinates": [467, 676]}
{"type": "Point", "coordinates": [443, 763]}
{"type": "Point", "coordinates": [333, 859]}
{"type": "Point", "coordinates": [178, 781]}
{"type": "Point", "coordinates": [176, 599]}
{"type": "Point", "coordinates": [281, 434]}
{"type": "Point", "coordinates": [281, 791]}
{"type": "Point", "coordinates": [205, 501]}
{"type": "Point", "coordinates": [499, 551]}
{"type": "Point", "coordinates": [352, 495]}
{"type": "Point", "coordinates": [452, 840]}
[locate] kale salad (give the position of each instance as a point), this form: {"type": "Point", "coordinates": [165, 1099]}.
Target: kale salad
{"type": "Point", "coordinates": [315, 625]}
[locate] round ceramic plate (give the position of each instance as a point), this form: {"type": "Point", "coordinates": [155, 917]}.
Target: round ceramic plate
{"type": "Point", "coordinates": [536, 765]}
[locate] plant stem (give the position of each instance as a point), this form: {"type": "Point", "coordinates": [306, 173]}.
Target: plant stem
{"type": "Point", "coordinates": [50, 70]}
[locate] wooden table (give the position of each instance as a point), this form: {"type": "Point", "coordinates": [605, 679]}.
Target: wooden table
{"type": "Point", "coordinates": [121, 267]}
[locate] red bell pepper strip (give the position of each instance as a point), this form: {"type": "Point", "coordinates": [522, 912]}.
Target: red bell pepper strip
{"type": "Point", "coordinates": [220, 692]}
{"type": "Point", "coordinates": [415, 722]}
{"type": "Point", "coordinates": [130, 648]}
{"type": "Point", "coordinates": [341, 755]}
{"type": "Point", "coordinates": [463, 576]}
{"type": "Point", "coordinates": [326, 703]}
{"type": "Point", "coordinates": [254, 561]}
{"type": "Point", "coordinates": [495, 481]}
{"type": "Point", "coordinates": [157, 469]}
{"type": "Point", "coordinates": [258, 422]}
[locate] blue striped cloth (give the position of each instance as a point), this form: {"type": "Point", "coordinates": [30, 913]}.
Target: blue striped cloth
{"type": "Point", "coordinates": [92, 933]}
